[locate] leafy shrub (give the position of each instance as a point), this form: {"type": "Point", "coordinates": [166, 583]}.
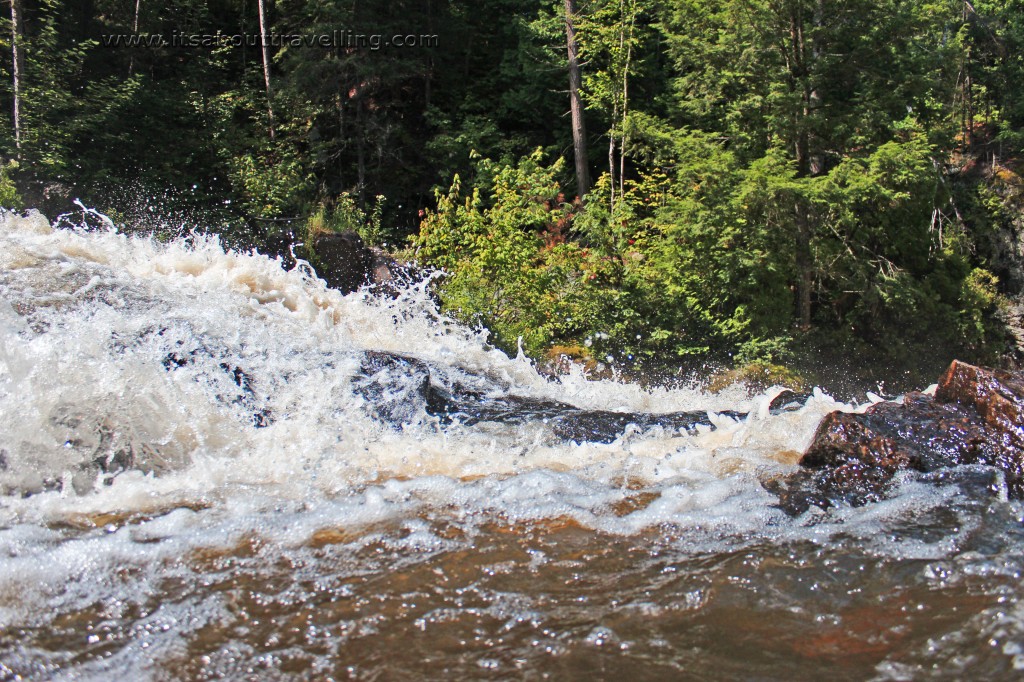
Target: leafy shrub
{"type": "Point", "coordinates": [9, 196]}
{"type": "Point", "coordinates": [344, 215]}
{"type": "Point", "coordinates": [698, 259]}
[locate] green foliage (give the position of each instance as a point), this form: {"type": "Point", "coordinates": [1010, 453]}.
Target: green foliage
{"type": "Point", "coordinates": [346, 216]}
{"type": "Point", "coordinates": [979, 302]}
{"type": "Point", "coordinates": [9, 196]}
{"type": "Point", "coordinates": [759, 376]}
{"type": "Point", "coordinates": [270, 183]}
{"type": "Point", "coordinates": [701, 261]}
{"type": "Point", "coordinates": [501, 271]}
{"type": "Point", "coordinates": [875, 236]}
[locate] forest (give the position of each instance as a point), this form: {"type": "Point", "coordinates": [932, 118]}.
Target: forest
{"type": "Point", "coordinates": [766, 184]}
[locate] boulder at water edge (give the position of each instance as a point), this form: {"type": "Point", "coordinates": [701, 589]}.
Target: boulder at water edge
{"type": "Point", "coordinates": [975, 417]}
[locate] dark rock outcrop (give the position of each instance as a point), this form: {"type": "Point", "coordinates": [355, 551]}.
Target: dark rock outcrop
{"type": "Point", "coordinates": [341, 259]}
{"type": "Point", "coordinates": [399, 389]}
{"type": "Point", "coordinates": [976, 417]}
{"type": "Point", "coordinates": [997, 396]}
{"type": "Point", "coordinates": [281, 245]}
{"type": "Point", "coordinates": [50, 197]}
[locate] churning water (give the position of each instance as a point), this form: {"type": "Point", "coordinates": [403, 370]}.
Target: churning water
{"type": "Point", "coordinates": [195, 484]}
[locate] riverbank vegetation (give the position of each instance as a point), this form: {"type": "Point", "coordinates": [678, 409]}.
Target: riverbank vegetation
{"type": "Point", "coordinates": [753, 181]}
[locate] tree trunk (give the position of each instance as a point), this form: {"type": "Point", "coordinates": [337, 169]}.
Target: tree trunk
{"type": "Point", "coordinates": [800, 81]}
{"type": "Point", "coordinates": [968, 102]}
{"type": "Point", "coordinates": [804, 265]}
{"type": "Point", "coordinates": [16, 70]}
{"type": "Point", "coordinates": [966, 92]}
{"type": "Point", "coordinates": [135, 31]}
{"type": "Point", "coordinates": [611, 161]}
{"type": "Point", "coordinates": [579, 130]}
{"type": "Point", "coordinates": [360, 153]}
{"type": "Point", "coordinates": [430, 60]}
{"type": "Point", "coordinates": [625, 43]}
{"type": "Point", "coordinates": [266, 65]}
{"type": "Point", "coordinates": [343, 167]}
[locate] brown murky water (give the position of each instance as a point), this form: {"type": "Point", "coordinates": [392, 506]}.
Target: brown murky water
{"type": "Point", "coordinates": [442, 597]}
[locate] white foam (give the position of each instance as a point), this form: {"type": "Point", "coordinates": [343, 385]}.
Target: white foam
{"type": "Point", "coordinates": [94, 290]}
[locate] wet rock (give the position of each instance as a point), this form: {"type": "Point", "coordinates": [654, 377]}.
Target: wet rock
{"type": "Point", "coordinates": [280, 245]}
{"type": "Point", "coordinates": [50, 197]}
{"type": "Point", "coordinates": [788, 401]}
{"type": "Point", "coordinates": [975, 418]}
{"type": "Point", "coordinates": [383, 267]}
{"type": "Point", "coordinates": [399, 390]}
{"type": "Point", "coordinates": [604, 427]}
{"type": "Point", "coordinates": [341, 259]}
{"type": "Point", "coordinates": [97, 449]}
{"type": "Point", "coordinates": [572, 423]}
{"type": "Point", "coordinates": [247, 397]}
{"type": "Point", "coordinates": [997, 396]}
{"type": "Point", "coordinates": [390, 277]}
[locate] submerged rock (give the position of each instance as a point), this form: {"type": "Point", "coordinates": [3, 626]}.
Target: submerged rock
{"type": "Point", "coordinates": [397, 388]}
{"type": "Point", "coordinates": [976, 417]}
{"type": "Point", "coordinates": [400, 389]}
{"type": "Point", "coordinates": [788, 401]}
{"type": "Point", "coordinates": [247, 398]}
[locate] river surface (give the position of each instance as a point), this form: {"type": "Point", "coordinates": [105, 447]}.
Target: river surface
{"type": "Point", "coordinates": [193, 487]}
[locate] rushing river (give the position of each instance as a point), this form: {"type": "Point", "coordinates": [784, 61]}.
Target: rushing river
{"type": "Point", "coordinates": [194, 486]}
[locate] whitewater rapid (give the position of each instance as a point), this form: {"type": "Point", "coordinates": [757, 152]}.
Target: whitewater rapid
{"type": "Point", "coordinates": [89, 319]}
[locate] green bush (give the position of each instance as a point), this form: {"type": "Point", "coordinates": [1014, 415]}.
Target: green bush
{"type": "Point", "coordinates": [700, 261]}
{"type": "Point", "coordinates": [9, 196]}
{"type": "Point", "coordinates": [344, 215]}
